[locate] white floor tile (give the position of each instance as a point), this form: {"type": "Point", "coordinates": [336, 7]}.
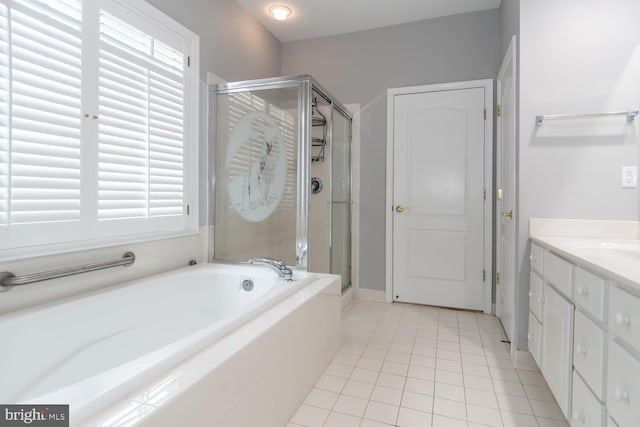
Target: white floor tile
{"type": "Point", "coordinates": [338, 370]}
{"type": "Point", "coordinates": [448, 391]}
{"type": "Point", "coordinates": [484, 416]}
{"type": "Point", "coordinates": [364, 375]}
{"type": "Point", "coordinates": [321, 398]}
{"type": "Point", "coordinates": [481, 398]}
{"type": "Point", "coordinates": [337, 419]}
{"type": "Point", "coordinates": [416, 385]}
{"type": "Point", "coordinates": [405, 365]}
{"type": "Point", "coordinates": [331, 383]}
{"type": "Point", "coordinates": [357, 389]}
{"type": "Point", "coordinates": [395, 368]}
{"type": "Point", "coordinates": [449, 408]}
{"type": "Point", "coordinates": [421, 372]}
{"type": "Point", "coordinates": [538, 393]}
{"type": "Point", "coordinates": [371, 364]}
{"type": "Point", "coordinates": [412, 418]}
{"type": "Point", "coordinates": [350, 405]}
{"type": "Point", "coordinates": [417, 401]}
{"type": "Point", "coordinates": [514, 404]}
{"type": "Point", "coordinates": [392, 396]}
{"type": "Point", "coordinates": [382, 412]}
{"type": "Point", "coordinates": [512, 419]}
{"type": "Point", "coordinates": [453, 378]}
{"type": "Point", "coordinates": [440, 421]}
{"type": "Point", "coordinates": [310, 416]}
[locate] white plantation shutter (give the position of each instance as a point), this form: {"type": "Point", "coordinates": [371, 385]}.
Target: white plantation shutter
{"type": "Point", "coordinates": [141, 128]}
{"type": "Point", "coordinates": [96, 128]}
{"type": "Point", "coordinates": [40, 119]}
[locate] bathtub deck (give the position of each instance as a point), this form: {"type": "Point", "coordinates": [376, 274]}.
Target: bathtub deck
{"type": "Point", "coordinates": [408, 365]}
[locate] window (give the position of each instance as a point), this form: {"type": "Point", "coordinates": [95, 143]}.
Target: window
{"type": "Point", "coordinates": [98, 122]}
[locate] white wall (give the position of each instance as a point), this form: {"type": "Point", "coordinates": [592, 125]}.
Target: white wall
{"type": "Point", "coordinates": [576, 56]}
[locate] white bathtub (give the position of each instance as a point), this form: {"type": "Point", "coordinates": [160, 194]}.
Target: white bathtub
{"type": "Point", "coordinates": [108, 347]}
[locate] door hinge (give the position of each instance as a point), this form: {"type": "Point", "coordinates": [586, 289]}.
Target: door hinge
{"type": "Point", "coordinates": [485, 114]}
{"type": "Point", "coordinates": [499, 111]}
{"type": "Point", "coordinates": [484, 194]}
{"type": "Point", "coordinates": [499, 194]}
{"type": "Point", "coordinates": [188, 209]}
{"type": "Point", "coordinates": [498, 279]}
{"type": "Point", "coordinates": [188, 61]}
{"type": "Point", "coordinates": [484, 275]}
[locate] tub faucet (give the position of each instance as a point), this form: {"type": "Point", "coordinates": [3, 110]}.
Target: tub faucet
{"type": "Point", "coordinates": [276, 264]}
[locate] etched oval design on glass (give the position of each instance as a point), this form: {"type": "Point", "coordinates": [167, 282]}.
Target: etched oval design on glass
{"type": "Point", "coordinates": [256, 166]}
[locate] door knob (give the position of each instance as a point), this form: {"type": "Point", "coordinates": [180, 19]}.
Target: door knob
{"type": "Point", "coordinates": [400, 208]}
{"type": "Point", "coordinates": [508, 214]}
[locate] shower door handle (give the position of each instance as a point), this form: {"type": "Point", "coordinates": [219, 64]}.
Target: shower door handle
{"type": "Point", "coordinates": [400, 208]}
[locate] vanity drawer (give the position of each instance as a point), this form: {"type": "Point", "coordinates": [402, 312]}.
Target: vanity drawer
{"type": "Point", "coordinates": [558, 272]}
{"type": "Point", "coordinates": [590, 293]}
{"type": "Point", "coordinates": [623, 386]}
{"type": "Point", "coordinates": [535, 295]}
{"type": "Point", "coordinates": [536, 257]}
{"type": "Point", "coordinates": [587, 411]}
{"type": "Point", "coordinates": [588, 352]}
{"type": "Point", "coordinates": [534, 338]}
{"type": "Point", "coordinates": [624, 316]}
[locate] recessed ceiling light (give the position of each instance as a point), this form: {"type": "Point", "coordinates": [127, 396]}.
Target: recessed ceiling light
{"type": "Point", "coordinates": [280, 12]}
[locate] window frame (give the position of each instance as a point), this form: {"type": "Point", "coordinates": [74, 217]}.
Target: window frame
{"type": "Point", "coordinates": [139, 11]}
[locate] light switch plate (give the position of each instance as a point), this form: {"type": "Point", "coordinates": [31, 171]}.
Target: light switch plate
{"type": "Point", "coordinates": [629, 176]}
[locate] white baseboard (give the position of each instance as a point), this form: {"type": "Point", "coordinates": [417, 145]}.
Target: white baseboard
{"type": "Point", "coordinates": [346, 298]}
{"type": "Point", "coordinates": [524, 360]}
{"type": "Point", "coordinates": [370, 295]}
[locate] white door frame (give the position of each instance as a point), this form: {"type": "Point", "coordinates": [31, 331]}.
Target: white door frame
{"type": "Point", "coordinates": [487, 84]}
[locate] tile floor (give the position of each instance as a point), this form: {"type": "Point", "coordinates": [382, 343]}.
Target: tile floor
{"type": "Point", "coordinates": [407, 365]}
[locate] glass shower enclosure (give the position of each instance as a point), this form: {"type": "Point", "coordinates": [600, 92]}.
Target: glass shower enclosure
{"type": "Point", "coordinates": [281, 177]}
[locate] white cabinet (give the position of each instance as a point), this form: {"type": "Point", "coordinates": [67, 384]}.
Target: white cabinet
{"type": "Point", "coordinates": [584, 334]}
{"type": "Point", "coordinates": [586, 410]}
{"type": "Point", "coordinates": [557, 345]}
{"type": "Point", "coordinates": [623, 386]}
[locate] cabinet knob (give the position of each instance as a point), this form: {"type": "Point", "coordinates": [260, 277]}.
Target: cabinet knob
{"type": "Point", "coordinates": [583, 291]}
{"type": "Point", "coordinates": [579, 416]}
{"type": "Point", "coordinates": [623, 319]}
{"type": "Point", "coordinates": [531, 294]}
{"type": "Point", "coordinates": [621, 395]}
{"type": "Point", "coordinates": [530, 337]}
{"type": "Point", "coordinates": [581, 349]}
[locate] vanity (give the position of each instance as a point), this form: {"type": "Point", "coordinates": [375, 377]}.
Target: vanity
{"type": "Point", "coordinates": [584, 318]}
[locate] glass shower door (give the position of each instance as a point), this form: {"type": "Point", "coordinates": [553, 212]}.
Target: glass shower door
{"type": "Point", "coordinates": [256, 174]}
{"type": "Point", "coordinates": [341, 197]}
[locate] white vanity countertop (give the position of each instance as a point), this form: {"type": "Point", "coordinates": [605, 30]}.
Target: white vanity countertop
{"type": "Point", "coordinates": [611, 248]}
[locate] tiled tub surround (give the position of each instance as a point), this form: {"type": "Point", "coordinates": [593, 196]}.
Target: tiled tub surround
{"type": "Point", "coordinates": [415, 366]}
{"type": "Point", "coordinates": [584, 317]}
{"type": "Point", "coordinates": [188, 347]}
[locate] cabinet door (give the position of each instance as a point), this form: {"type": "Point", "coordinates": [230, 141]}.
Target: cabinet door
{"type": "Point", "coordinates": [557, 346]}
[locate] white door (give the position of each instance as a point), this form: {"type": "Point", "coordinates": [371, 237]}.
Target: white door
{"type": "Point", "coordinates": [505, 182]}
{"type": "Point", "coordinates": [438, 183]}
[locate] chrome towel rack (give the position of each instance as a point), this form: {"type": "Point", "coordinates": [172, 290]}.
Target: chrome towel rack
{"type": "Point", "coordinates": [9, 280]}
{"type": "Point", "coordinates": [631, 115]}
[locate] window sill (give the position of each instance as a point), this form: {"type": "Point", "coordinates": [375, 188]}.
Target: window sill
{"type": "Point", "coordinates": [70, 247]}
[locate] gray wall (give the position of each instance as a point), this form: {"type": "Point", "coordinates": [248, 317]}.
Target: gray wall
{"type": "Point", "coordinates": [509, 22]}
{"type": "Point", "coordinates": [359, 67]}
{"type": "Point", "coordinates": [233, 44]}
{"type": "Point", "coordinates": [575, 57]}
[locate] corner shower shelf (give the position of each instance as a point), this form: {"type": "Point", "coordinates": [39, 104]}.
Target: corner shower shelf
{"type": "Point", "coordinates": [631, 115]}
{"type": "Point", "coordinates": [318, 120]}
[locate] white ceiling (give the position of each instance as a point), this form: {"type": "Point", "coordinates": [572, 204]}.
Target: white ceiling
{"type": "Point", "coordinates": [319, 18]}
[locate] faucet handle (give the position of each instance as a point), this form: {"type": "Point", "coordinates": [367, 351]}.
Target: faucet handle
{"type": "Point", "coordinates": [266, 259]}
